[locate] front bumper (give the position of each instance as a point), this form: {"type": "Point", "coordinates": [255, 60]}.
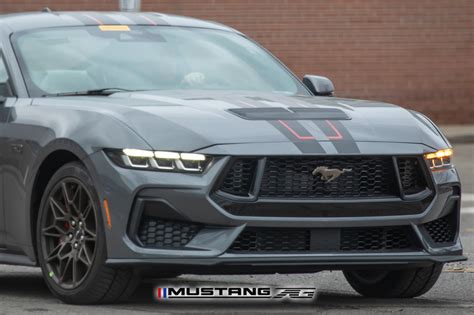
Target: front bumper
{"type": "Point", "coordinates": [187, 197]}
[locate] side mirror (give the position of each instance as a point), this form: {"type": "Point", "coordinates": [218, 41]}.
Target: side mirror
{"type": "Point", "coordinates": [318, 85]}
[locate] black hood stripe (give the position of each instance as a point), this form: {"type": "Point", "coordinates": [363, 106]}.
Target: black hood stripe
{"type": "Point", "coordinates": [121, 19]}
{"type": "Point", "coordinates": [300, 137]}
{"type": "Point", "coordinates": [339, 135]}
{"type": "Point", "coordinates": [71, 18]}
{"type": "Point", "coordinates": [94, 20]}
{"type": "Point", "coordinates": [106, 19]}
{"type": "Point", "coordinates": [144, 19]}
{"type": "Point", "coordinates": [158, 18]}
{"type": "Point", "coordinates": [84, 19]}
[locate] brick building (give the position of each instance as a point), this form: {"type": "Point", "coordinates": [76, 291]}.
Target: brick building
{"type": "Point", "coordinates": [418, 54]}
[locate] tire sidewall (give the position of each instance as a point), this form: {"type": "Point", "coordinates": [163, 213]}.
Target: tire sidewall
{"type": "Point", "coordinates": [77, 171]}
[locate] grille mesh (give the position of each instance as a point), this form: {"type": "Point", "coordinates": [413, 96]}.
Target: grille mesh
{"type": "Point", "coordinates": [442, 230]}
{"type": "Point", "coordinates": [411, 175]}
{"type": "Point", "coordinates": [239, 179]}
{"type": "Point", "coordinates": [257, 240]}
{"type": "Point", "coordinates": [264, 240]}
{"type": "Point", "coordinates": [158, 233]}
{"type": "Point", "coordinates": [375, 239]}
{"type": "Point", "coordinates": [291, 177]}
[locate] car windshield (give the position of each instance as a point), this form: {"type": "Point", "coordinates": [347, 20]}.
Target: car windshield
{"type": "Point", "coordinates": [73, 59]}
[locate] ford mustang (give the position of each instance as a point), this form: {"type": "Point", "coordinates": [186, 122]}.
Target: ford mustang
{"type": "Point", "coordinates": [145, 144]}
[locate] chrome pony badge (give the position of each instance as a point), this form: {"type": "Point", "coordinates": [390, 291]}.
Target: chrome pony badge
{"type": "Point", "coordinates": [329, 174]}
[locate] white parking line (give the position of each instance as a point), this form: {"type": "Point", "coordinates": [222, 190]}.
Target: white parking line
{"type": "Point", "coordinates": [467, 197]}
{"type": "Point", "coordinates": [467, 210]}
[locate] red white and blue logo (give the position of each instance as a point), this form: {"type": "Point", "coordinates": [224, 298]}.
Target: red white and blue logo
{"type": "Point", "coordinates": [161, 293]}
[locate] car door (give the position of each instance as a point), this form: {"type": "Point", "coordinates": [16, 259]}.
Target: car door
{"type": "Point", "coordinates": [7, 100]}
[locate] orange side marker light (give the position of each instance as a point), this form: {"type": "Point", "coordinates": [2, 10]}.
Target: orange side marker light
{"type": "Point", "coordinates": [107, 214]}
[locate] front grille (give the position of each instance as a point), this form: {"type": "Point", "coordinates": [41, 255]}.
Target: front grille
{"type": "Point", "coordinates": [266, 186]}
{"type": "Point", "coordinates": [382, 239]}
{"type": "Point", "coordinates": [376, 239]}
{"type": "Point", "coordinates": [240, 177]}
{"type": "Point", "coordinates": [158, 233]}
{"type": "Point", "coordinates": [442, 230]}
{"type": "Point", "coordinates": [292, 177]}
{"type": "Point", "coordinates": [411, 175]}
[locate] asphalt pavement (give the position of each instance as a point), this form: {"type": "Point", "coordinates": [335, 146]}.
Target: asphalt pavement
{"type": "Point", "coordinates": [22, 290]}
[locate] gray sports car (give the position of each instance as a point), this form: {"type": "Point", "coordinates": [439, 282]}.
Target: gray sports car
{"type": "Point", "coordinates": [147, 144]}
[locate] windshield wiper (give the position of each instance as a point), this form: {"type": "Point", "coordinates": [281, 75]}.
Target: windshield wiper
{"type": "Point", "coordinates": [99, 92]}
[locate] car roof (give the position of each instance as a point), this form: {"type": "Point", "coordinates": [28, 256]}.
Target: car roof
{"type": "Point", "coordinates": [33, 20]}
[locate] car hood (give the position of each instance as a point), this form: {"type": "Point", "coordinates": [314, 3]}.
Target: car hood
{"type": "Point", "coordinates": [192, 120]}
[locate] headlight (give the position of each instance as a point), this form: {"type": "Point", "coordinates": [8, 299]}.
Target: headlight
{"type": "Point", "coordinates": [159, 160]}
{"type": "Point", "coordinates": [439, 159]}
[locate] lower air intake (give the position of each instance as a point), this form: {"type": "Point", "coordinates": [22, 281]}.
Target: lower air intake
{"type": "Point", "coordinates": [272, 240]}
{"type": "Point", "coordinates": [157, 233]}
{"type": "Point", "coordinates": [376, 239]}
{"type": "Point", "coordinates": [443, 230]}
{"type": "Point", "coordinates": [384, 239]}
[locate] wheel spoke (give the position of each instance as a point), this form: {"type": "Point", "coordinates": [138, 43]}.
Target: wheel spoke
{"type": "Point", "coordinates": [87, 211]}
{"type": "Point", "coordinates": [54, 254]}
{"type": "Point", "coordinates": [75, 270]}
{"type": "Point", "coordinates": [65, 268]}
{"type": "Point", "coordinates": [90, 236]}
{"type": "Point", "coordinates": [65, 193]}
{"type": "Point", "coordinates": [84, 256]}
{"type": "Point", "coordinates": [58, 212]}
{"type": "Point", "coordinates": [75, 202]}
{"type": "Point", "coordinates": [65, 251]}
{"type": "Point", "coordinates": [53, 231]}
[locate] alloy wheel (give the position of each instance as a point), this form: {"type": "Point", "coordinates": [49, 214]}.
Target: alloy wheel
{"type": "Point", "coordinates": [69, 233]}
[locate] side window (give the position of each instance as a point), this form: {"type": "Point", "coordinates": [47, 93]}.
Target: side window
{"type": "Point", "coordinates": [3, 71]}
{"type": "Point", "coordinates": [5, 88]}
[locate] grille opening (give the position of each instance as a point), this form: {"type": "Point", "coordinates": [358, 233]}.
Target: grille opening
{"type": "Point", "coordinates": [376, 239]}
{"type": "Point", "coordinates": [272, 240]}
{"type": "Point", "coordinates": [292, 177]}
{"type": "Point", "coordinates": [443, 230]}
{"type": "Point", "coordinates": [411, 175]}
{"type": "Point", "coordinates": [157, 233]}
{"type": "Point", "coordinates": [382, 239]}
{"type": "Point", "coordinates": [240, 177]}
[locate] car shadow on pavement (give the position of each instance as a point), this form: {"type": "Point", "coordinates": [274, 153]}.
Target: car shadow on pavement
{"type": "Point", "coordinates": [26, 285]}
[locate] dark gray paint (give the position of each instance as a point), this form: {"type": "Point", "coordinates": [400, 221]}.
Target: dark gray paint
{"type": "Point", "coordinates": [189, 121]}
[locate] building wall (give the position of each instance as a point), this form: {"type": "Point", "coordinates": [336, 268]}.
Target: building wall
{"type": "Point", "coordinates": [418, 54]}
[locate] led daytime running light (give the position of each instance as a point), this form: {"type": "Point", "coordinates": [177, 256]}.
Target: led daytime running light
{"type": "Point", "coordinates": [164, 160]}
{"type": "Point", "coordinates": [439, 154]}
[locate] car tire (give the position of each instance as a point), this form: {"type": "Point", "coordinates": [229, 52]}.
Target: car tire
{"type": "Point", "coordinates": [71, 242]}
{"type": "Point", "coordinates": [403, 283]}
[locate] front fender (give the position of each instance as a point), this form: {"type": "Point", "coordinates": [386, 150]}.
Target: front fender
{"type": "Point", "coordinates": [39, 132]}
